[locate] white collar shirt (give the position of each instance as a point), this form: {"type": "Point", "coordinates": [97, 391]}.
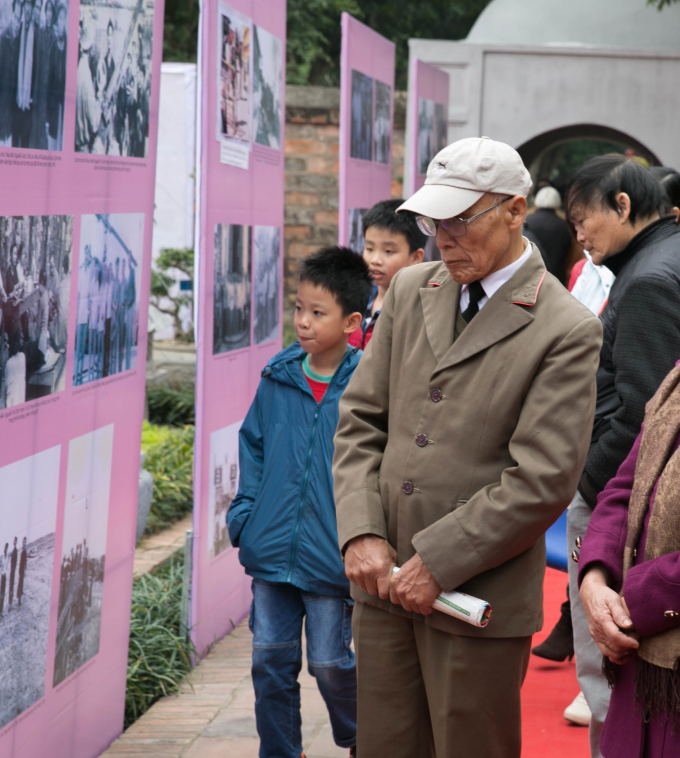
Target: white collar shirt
{"type": "Point", "coordinates": [493, 282]}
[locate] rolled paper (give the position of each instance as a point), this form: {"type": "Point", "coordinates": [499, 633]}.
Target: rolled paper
{"type": "Point", "coordinates": [462, 606]}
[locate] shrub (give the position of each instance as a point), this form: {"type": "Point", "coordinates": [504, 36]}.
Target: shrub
{"type": "Point", "coordinates": [159, 658]}
{"type": "Point", "coordinates": [170, 460]}
{"type": "Point", "coordinates": [173, 406]}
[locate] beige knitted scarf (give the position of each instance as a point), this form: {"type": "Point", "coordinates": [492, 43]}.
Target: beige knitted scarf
{"type": "Point", "coordinates": [657, 679]}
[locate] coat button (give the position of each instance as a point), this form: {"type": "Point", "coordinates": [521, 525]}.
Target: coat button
{"type": "Point", "coordinates": [421, 440]}
{"type": "Point", "coordinates": [578, 542]}
{"type": "Point", "coordinates": [436, 395]}
{"type": "Point", "coordinates": [574, 556]}
{"type": "Point", "coordinates": [407, 488]}
{"type": "Point", "coordinates": [635, 553]}
{"type": "Point", "coordinates": [670, 614]}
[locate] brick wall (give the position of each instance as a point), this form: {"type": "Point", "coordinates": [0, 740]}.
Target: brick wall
{"type": "Point", "coordinates": [312, 134]}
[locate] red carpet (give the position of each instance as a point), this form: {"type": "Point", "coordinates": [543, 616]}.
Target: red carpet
{"type": "Point", "coordinates": [548, 690]}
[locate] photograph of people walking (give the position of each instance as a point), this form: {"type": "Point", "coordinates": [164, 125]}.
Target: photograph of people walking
{"type": "Point", "coordinates": [268, 88]}
{"type": "Point", "coordinates": [382, 122]}
{"type": "Point", "coordinates": [114, 77]}
{"type": "Point", "coordinates": [109, 286]}
{"type": "Point", "coordinates": [224, 474]}
{"type": "Point", "coordinates": [81, 582]}
{"type": "Point", "coordinates": [234, 75]}
{"type": "Point", "coordinates": [361, 136]}
{"type": "Point", "coordinates": [231, 325]}
{"type": "Point", "coordinates": [29, 493]}
{"type": "Point", "coordinates": [35, 287]}
{"type": "Point", "coordinates": [33, 44]}
{"type": "Point", "coordinates": [266, 251]}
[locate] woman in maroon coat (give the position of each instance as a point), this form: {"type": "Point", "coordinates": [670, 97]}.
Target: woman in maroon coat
{"type": "Point", "coordinates": [630, 586]}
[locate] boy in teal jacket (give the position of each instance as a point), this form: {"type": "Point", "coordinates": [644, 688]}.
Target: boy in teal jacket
{"type": "Point", "coordinates": [283, 517]}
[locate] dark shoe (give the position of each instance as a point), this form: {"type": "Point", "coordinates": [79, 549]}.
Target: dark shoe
{"type": "Point", "coordinates": [353, 752]}
{"type": "Point", "coordinates": [559, 645]}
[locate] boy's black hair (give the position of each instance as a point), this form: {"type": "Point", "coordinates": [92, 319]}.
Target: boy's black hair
{"type": "Point", "coordinates": [383, 215]}
{"type": "Point", "coordinates": [670, 181]}
{"type": "Point", "coordinates": [600, 179]}
{"type": "Point", "coordinates": [341, 272]}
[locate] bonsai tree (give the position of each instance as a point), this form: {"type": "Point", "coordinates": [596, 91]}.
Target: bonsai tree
{"type": "Point", "coordinates": [162, 283]}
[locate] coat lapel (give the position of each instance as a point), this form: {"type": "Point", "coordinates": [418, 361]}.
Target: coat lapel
{"type": "Point", "coordinates": [505, 313]}
{"type": "Point", "coordinates": [440, 304]}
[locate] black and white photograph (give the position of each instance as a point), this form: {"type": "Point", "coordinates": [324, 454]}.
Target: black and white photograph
{"type": "Point", "coordinates": [231, 325]}
{"type": "Point", "coordinates": [266, 267]}
{"type": "Point", "coordinates": [361, 136]}
{"type": "Point", "coordinates": [355, 234]}
{"type": "Point", "coordinates": [224, 472]}
{"type": "Point", "coordinates": [113, 93]}
{"type": "Point", "coordinates": [35, 289]}
{"type": "Point", "coordinates": [234, 81]}
{"type": "Point", "coordinates": [267, 88]}
{"type": "Point", "coordinates": [29, 489]}
{"type": "Point", "coordinates": [109, 288]}
{"type": "Point", "coordinates": [425, 134]}
{"type": "Point", "coordinates": [33, 48]}
{"type": "Point", "coordinates": [382, 123]}
{"type": "Point", "coordinates": [441, 128]}
{"type": "Point", "coordinates": [83, 551]}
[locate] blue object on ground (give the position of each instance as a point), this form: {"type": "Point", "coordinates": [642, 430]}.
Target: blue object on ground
{"type": "Point", "coordinates": [556, 544]}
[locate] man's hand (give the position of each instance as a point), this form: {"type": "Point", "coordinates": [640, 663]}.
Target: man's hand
{"type": "Point", "coordinates": [607, 615]}
{"type": "Point", "coordinates": [368, 564]}
{"type": "Point", "coordinates": [414, 587]}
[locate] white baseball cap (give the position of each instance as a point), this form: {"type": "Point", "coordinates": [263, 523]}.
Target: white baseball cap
{"type": "Point", "coordinates": [463, 171]}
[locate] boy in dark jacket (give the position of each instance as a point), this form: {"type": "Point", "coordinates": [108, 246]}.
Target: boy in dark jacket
{"type": "Point", "coordinates": [283, 517]}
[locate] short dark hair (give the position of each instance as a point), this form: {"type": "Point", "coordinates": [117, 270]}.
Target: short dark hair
{"type": "Point", "coordinates": [383, 215]}
{"type": "Point", "coordinates": [601, 179]}
{"type": "Point", "coordinates": [341, 272]}
{"type": "Point", "coordinates": [670, 181]}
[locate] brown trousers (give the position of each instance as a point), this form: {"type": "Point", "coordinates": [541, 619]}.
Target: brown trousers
{"type": "Point", "coordinates": [423, 693]}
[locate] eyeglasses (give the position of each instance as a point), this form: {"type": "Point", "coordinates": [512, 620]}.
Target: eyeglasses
{"type": "Point", "coordinates": [454, 227]}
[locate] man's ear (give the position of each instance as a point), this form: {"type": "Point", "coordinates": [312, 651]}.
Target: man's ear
{"type": "Point", "coordinates": [352, 322]}
{"type": "Point", "coordinates": [416, 256]}
{"type": "Point", "coordinates": [517, 208]}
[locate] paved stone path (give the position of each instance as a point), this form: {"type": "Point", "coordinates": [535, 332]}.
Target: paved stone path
{"type": "Point", "coordinates": [213, 716]}
{"type": "Point", "coordinates": [159, 547]}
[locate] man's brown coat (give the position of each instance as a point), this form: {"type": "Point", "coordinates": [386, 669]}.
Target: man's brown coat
{"type": "Point", "coordinates": [505, 445]}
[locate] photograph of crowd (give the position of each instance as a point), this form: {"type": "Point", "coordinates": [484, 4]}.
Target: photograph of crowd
{"type": "Point", "coordinates": [361, 134]}
{"type": "Point", "coordinates": [114, 77]}
{"type": "Point", "coordinates": [425, 134]}
{"type": "Point", "coordinates": [267, 88]}
{"type": "Point", "coordinates": [266, 254]}
{"type": "Point", "coordinates": [231, 325]}
{"type": "Point", "coordinates": [35, 287]}
{"type": "Point", "coordinates": [382, 123]}
{"type": "Point", "coordinates": [224, 477]}
{"type": "Point", "coordinates": [355, 234]}
{"type": "Point", "coordinates": [81, 580]}
{"type": "Point", "coordinates": [234, 75]}
{"type": "Point", "coordinates": [33, 44]}
{"type": "Point", "coordinates": [29, 489]}
{"type": "Point", "coordinates": [441, 128]}
{"type": "Point", "coordinates": [109, 286]}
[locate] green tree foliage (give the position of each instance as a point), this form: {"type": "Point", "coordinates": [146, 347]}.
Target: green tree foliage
{"type": "Point", "coordinates": [313, 44]}
{"type": "Point", "coordinates": [181, 259]}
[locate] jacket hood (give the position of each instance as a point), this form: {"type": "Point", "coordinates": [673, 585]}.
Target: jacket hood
{"type": "Point", "coordinates": [279, 367]}
{"type": "Point", "coordinates": [654, 232]}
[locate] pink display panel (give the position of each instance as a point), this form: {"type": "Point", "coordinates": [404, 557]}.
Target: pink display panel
{"type": "Point", "coordinates": [78, 123]}
{"type": "Point", "coordinates": [240, 282]}
{"type": "Point", "coordinates": [366, 115]}
{"type": "Point", "coordinates": [427, 119]}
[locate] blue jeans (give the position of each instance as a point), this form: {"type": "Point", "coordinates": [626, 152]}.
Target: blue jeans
{"type": "Point", "coordinates": [276, 622]}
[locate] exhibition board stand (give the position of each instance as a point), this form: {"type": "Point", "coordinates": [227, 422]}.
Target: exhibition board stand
{"type": "Point", "coordinates": [238, 281]}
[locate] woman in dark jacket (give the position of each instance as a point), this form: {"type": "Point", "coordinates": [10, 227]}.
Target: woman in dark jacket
{"type": "Point", "coordinates": [630, 586]}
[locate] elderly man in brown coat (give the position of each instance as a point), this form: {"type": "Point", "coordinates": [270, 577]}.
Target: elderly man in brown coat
{"type": "Point", "coordinates": [461, 439]}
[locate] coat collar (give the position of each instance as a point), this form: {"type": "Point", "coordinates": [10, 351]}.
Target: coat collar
{"type": "Point", "coordinates": [505, 312]}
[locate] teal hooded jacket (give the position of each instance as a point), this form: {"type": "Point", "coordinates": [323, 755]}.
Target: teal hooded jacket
{"type": "Point", "coordinates": [283, 517]}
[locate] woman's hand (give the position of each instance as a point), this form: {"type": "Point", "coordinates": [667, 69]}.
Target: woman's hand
{"type": "Point", "coordinates": [609, 622]}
